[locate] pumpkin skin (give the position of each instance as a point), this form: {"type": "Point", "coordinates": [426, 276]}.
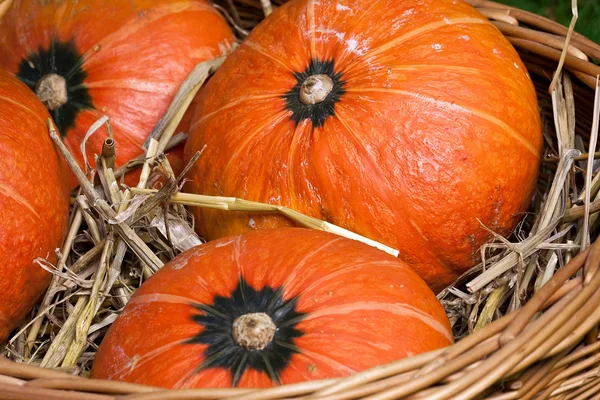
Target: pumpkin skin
{"type": "Point", "coordinates": [34, 201]}
{"type": "Point", "coordinates": [122, 59]}
{"type": "Point", "coordinates": [331, 299]}
{"type": "Point", "coordinates": [431, 128]}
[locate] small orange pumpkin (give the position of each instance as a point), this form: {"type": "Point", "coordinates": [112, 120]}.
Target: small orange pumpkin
{"type": "Point", "coordinates": [271, 307]}
{"type": "Point", "coordinates": [409, 122]}
{"type": "Point", "coordinates": [123, 59]}
{"type": "Point", "coordinates": [34, 201]}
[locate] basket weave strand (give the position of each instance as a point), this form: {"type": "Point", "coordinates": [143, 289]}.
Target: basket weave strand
{"type": "Point", "coordinates": [542, 350]}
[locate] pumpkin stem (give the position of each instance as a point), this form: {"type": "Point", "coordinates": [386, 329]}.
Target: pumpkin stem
{"type": "Point", "coordinates": [315, 89]}
{"type": "Point", "coordinates": [253, 331]}
{"type": "Point", "coordinates": [52, 91]}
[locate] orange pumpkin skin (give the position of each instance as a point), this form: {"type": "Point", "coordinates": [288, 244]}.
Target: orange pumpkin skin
{"type": "Point", "coordinates": [34, 201]}
{"type": "Point", "coordinates": [431, 129]}
{"type": "Point", "coordinates": [340, 306]}
{"type": "Point", "coordinates": [122, 59]}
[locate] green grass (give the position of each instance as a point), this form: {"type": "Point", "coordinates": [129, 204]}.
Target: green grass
{"type": "Point", "coordinates": [588, 23]}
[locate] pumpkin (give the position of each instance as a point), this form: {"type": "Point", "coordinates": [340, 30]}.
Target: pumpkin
{"type": "Point", "coordinates": [413, 123]}
{"type": "Point", "coordinates": [271, 307]}
{"type": "Point", "coordinates": [34, 201]}
{"type": "Point", "coordinates": [127, 59]}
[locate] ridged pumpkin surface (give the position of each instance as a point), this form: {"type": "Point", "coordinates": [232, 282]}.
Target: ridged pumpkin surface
{"type": "Point", "coordinates": [34, 201]}
{"type": "Point", "coordinates": [124, 59]}
{"type": "Point", "coordinates": [429, 131]}
{"type": "Point", "coordinates": [337, 306]}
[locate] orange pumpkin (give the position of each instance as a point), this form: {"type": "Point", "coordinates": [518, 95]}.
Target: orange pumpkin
{"type": "Point", "coordinates": [34, 201]}
{"type": "Point", "coordinates": [125, 59]}
{"type": "Point", "coordinates": [409, 122]}
{"type": "Point", "coordinates": [271, 307]}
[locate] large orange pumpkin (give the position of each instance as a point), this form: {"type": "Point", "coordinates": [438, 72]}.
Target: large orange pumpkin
{"type": "Point", "coordinates": [413, 123]}
{"type": "Point", "coordinates": [271, 307]}
{"type": "Point", "coordinates": [34, 201]}
{"type": "Point", "coordinates": [124, 59]}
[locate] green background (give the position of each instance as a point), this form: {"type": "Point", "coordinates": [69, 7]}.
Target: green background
{"type": "Point", "coordinates": [588, 23]}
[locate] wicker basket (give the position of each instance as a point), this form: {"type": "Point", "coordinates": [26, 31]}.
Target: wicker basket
{"type": "Point", "coordinates": [547, 348]}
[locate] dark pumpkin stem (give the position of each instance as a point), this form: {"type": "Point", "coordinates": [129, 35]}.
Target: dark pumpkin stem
{"type": "Point", "coordinates": [253, 331]}
{"type": "Point", "coordinates": [55, 73]}
{"type": "Point", "coordinates": [315, 89]}
{"type": "Point", "coordinates": [318, 89]}
{"type": "Point", "coordinates": [248, 329]}
{"type": "Point", "coordinates": [52, 91]}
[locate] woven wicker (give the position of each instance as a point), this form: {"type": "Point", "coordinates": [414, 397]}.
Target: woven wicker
{"type": "Point", "coordinates": [547, 348]}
